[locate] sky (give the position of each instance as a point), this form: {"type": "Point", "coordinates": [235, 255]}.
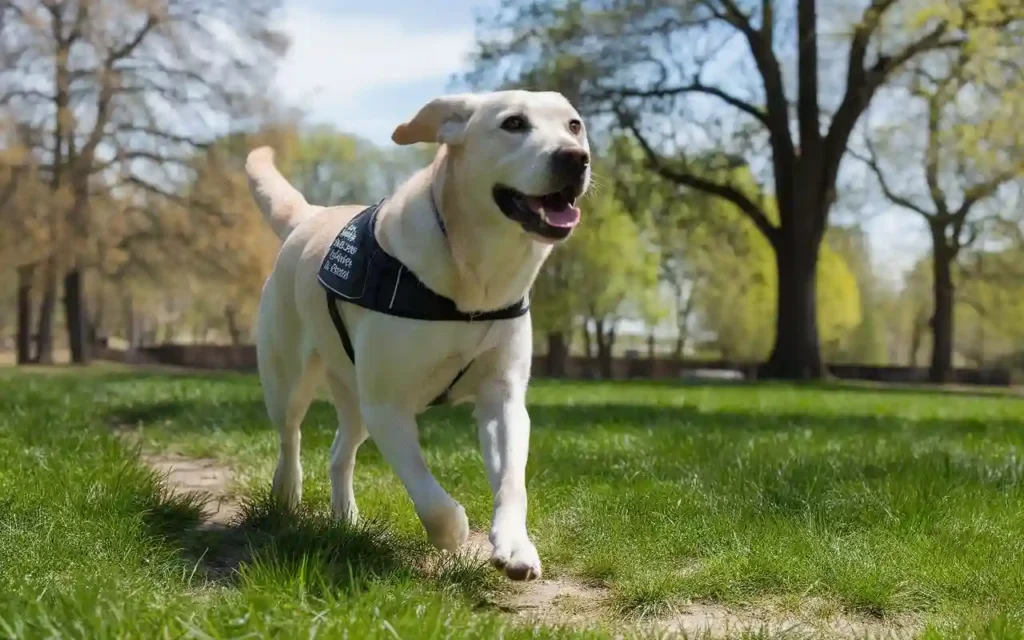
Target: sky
{"type": "Point", "coordinates": [365, 66]}
{"type": "Point", "coordinates": [368, 65]}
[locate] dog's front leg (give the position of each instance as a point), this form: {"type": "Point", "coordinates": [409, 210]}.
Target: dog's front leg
{"type": "Point", "coordinates": [504, 427]}
{"type": "Point", "coordinates": [394, 433]}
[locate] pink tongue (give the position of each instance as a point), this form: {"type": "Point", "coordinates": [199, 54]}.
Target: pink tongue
{"type": "Point", "coordinates": [566, 218]}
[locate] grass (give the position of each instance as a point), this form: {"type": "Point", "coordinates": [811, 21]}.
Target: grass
{"type": "Point", "coordinates": [878, 504]}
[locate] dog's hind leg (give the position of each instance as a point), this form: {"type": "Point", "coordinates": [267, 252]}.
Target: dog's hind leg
{"type": "Point", "coordinates": [289, 384]}
{"type": "Point", "coordinates": [351, 433]}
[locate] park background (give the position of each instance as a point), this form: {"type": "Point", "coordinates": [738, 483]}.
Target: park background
{"type": "Point", "coordinates": [878, 169]}
{"type": "Point", "coordinates": [785, 189]}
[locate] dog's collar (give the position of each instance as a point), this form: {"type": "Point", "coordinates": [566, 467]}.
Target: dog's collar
{"type": "Point", "coordinates": [358, 270]}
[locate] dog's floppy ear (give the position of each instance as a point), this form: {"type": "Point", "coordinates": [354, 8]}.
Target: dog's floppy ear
{"type": "Point", "coordinates": [440, 120]}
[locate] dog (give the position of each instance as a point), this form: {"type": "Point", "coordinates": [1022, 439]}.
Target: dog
{"type": "Point", "coordinates": [474, 228]}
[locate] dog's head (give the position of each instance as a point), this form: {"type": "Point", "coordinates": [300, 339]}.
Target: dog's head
{"type": "Point", "coordinates": [520, 154]}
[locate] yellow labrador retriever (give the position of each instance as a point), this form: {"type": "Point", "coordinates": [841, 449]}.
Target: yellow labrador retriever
{"type": "Point", "coordinates": [423, 298]}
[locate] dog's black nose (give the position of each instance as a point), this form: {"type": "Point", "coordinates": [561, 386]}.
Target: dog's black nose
{"type": "Point", "coordinates": [570, 163]}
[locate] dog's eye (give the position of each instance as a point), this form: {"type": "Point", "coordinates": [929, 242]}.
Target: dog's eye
{"type": "Point", "coordinates": [575, 126]}
{"type": "Point", "coordinates": [515, 123]}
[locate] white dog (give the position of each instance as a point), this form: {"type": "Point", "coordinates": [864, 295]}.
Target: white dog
{"type": "Point", "coordinates": [467, 236]}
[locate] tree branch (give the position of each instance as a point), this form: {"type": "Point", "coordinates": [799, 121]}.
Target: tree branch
{"type": "Point", "coordinates": [932, 153]}
{"type": "Point", "coordinates": [126, 49]}
{"type": "Point", "coordinates": [862, 82]}
{"type": "Point", "coordinates": [871, 161]}
{"type": "Point", "coordinates": [696, 87]}
{"type": "Point", "coordinates": [776, 104]}
{"type": "Point", "coordinates": [724, 191]}
{"type": "Point", "coordinates": [163, 135]}
{"type": "Point", "coordinates": [808, 109]}
{"type": "Point", "coordinates": [978, 192]}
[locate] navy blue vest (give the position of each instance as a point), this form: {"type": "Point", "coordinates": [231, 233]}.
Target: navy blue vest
{"type": "Point", "coordinates": [358, 270]}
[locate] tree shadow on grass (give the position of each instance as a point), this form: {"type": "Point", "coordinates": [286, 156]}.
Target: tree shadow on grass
{"type": "Point", "coordinates": [831, 384]}
{"type": "Point", "coordinates": [198, 416]}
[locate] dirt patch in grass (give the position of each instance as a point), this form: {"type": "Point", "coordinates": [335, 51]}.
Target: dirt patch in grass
{"type": "Point", "coordinates": [205, 476]}
{"type": "Point", "coordinates": [557, 600]}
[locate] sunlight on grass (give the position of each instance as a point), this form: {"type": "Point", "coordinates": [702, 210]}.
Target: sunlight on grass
{"type": "Point", "coordinates": [874, 504]}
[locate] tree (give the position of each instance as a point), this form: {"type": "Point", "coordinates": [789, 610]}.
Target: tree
{"type": "Point", "coordinates": [972, 147]}
{"type": "Point", "coordinates": [120, 94]}
{"type": "Point", "coordinates": [665, 72]}
{"type": "Point", "coordinates": [26, 229]}
{"type": "Point", "coordinates": [868, 342]}
{"type": "Point", "coordinates": [737, 297]}
{"type": "Point", "coordinates": [329, 167]}
{"type": "Point", "coordinates": [233, 249]}
{"type": "Point", "coordinates": [990, 303]}
{"type": "Point", "coordinates": [604, 268]}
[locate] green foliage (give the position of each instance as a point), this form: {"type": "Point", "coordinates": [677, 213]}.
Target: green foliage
{"type": "Point", "coordinates": [990, 304]}
{"type": "Point", "coordinates": [736, 298]}
{"type": "Point", "coordinates": [604, 267]}
{"type": "Point", "coordinates": [867, 343]}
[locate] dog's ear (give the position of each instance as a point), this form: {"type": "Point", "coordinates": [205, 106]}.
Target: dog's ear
{"type": "Point", "coordinates": [440, 120]}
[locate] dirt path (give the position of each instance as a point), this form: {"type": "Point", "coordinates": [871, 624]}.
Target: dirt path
{"type": "Point", "coordinates": [198, 475]}
{"type": "Point", "coordinates": [562, 600]}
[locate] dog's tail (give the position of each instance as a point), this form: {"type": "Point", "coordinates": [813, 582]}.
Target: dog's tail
{"type": "Point", "coordinates": [281, 203]}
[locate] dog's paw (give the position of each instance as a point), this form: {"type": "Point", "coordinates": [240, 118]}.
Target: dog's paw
{"type": "Point", "coordinates": [447, 527]}
{"type": "Point", "coordinates": [346, 512]}
{"type": "Point", "coordinates": [287, 486]}
{"type": "Point", "coordinates": [517, 557]}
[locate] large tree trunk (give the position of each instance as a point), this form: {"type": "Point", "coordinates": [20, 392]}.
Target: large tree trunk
{"type": "Point", "coordinates": [74, 313]}
{"type": "Point", "coordinates": [558, 354]}
{"type": "Point", "coordinates": [44, 332]}
{"type": "Point", "coordinates": [941, 369]}
{"type": "Point", "coordinates": [796, 354]}
{"type": "Point", "coordinates": [24, 340]}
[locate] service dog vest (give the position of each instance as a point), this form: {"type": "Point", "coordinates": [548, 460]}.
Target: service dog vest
{"type": "Point", "coordinates": [357, 270]}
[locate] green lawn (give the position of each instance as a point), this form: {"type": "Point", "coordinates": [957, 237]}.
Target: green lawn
{"type": "Point", "coordinates": [878, 505]}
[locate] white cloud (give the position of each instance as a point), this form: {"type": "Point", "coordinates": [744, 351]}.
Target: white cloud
{"type": "Point", "coordinates": [334, 59]}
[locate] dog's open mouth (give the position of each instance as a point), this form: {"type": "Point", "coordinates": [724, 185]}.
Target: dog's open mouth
{"type": "Point", "coordinates": [552, 215]}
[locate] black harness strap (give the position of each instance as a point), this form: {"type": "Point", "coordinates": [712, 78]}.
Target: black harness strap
{"type": "Point", "coordinates": [358, 270]}
{"type": "Point", "coordinates": [346, 341]}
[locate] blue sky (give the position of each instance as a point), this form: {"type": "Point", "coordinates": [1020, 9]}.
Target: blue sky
{"type": "Point", "coordinates": [367, 65]}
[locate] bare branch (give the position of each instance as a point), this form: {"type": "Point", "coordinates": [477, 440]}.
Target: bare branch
{"type": "Point", "coordinates": [153, 189]}
{"type": "Point", "coordinates": [931, 163]}
{"type": "Point", "coordinates": [777, 106]}
{"type": "Point", "coordinates": [724, 191]}
{"type": "Point", "coordinates": [869, 22]}
{"type": "Point", "coordinates": [863, 83]}
{"type": "Point", "coordinates": [126, 49]}
{"type": "Point", "coordinates": [978, 192]}
{"type": "Point", "coordinates": [696, 87]}
{"type": "Point", "coordinates": [163, 135]}
{"type": "Point", "coordinates": [871, 161]}
{"type": "Point", "coordinates": [931, 41]}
